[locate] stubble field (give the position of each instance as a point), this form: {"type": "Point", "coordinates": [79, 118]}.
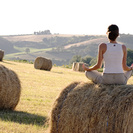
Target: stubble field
{"type": "Point", "coordinates": [39, 91]}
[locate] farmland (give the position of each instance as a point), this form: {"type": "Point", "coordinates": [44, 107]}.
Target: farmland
{"type": "Point", "coordinates": [39, 91]}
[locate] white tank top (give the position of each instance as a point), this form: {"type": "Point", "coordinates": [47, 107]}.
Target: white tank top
{"type": "Point", "coordinates": [113, 58]}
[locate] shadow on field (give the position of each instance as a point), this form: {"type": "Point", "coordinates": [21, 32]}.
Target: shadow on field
{"type": "Point", "coordinates": [22, 117]}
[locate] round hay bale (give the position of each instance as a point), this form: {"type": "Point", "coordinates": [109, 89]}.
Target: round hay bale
{"type": "Point", "coordinates": [10, 88]}
{"type": "Point", "coordinates": [90, 108]}
{"type": "Point", "coordinates": [74, 66]}
{"type": "Point", "coordinates": [1, 54]}
{"type": "Point", "coordinates": [43, 63]}
{"type": "Point", "coordinates": [80, 68]}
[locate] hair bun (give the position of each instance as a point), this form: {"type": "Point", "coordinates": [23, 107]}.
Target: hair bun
{"type": "Point", "coordinates": [113, 32]}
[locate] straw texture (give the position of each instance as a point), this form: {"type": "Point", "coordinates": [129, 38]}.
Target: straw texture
{"type": "Point", "coordinates": [43, 63]}
{"type": "Point", "coordinates": [90, 108]}
{"type": "Point", "coordinates": [10, 88]}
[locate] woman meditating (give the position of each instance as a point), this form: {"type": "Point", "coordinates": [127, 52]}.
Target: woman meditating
{"type": "Point", "coordinates": [114, 55]}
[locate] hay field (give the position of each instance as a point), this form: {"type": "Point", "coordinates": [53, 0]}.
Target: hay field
{"type": "Point", "coordinates": [39, 90]}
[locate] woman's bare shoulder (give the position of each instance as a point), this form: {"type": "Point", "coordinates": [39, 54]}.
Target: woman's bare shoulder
{"type": "Point", "coordinates": [103, 46]}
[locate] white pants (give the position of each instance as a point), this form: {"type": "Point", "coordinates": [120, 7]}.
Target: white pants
{"type": "Point", "coordinates": [108, 78]}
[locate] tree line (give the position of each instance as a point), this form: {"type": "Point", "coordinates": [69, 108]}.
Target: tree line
{"type": "Point", "coordinates": [45, 32]}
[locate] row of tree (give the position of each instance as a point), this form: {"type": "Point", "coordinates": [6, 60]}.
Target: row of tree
{"type": "Point", "coordinates": [45, 32]}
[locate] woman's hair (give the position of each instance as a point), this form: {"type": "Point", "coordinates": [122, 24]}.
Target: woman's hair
{"type": "Point", "coordinates": [113, 32]}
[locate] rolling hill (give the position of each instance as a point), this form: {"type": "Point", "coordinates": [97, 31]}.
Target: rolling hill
{"type": "Point", "coordinates": [7, 46]}
{"type": "Point", "coordinates": [59, 48]}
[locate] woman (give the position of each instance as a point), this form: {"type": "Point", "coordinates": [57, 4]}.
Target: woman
{"type": "Point", "coordinates": [114, 55]}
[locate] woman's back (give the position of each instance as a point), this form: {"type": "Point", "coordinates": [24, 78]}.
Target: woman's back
{"type": "Point", "coordinates": [113, 58]}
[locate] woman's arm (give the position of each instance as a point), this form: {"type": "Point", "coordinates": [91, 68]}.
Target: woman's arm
{"type": "Point", "coordinates": [102, 48]}
{"type": "Point", "coordinates": [125, 67]}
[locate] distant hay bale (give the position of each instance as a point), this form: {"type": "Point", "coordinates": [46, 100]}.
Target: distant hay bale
{"type": "Point", "coordinates": [90, 108]}
{"type": "Point", "coordinates": [1, 54]}
{"type": "Point", "coordinates": [74, 66]}
{"type": "Point", "coordinates": [43, 63]}
{"type": "Point", "coordinates": [77, 66]}
{"type": "Point", "coordinates": [10, 88]}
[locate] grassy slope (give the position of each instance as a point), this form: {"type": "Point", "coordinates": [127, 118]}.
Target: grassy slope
{"type": "Point", "coordinates": [22, 54]}
{"type": "Point", "coordinates": [39, 91]}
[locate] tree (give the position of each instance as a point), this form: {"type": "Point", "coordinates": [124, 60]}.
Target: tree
{"type": "Point", "coordinates": [129, 57]}
{"type": "Point", "coordinates": [75, 58]}
{"type": "Point", "coordinates": [86, 59]}
{"type": "Point", "coordinates": [27, 50]}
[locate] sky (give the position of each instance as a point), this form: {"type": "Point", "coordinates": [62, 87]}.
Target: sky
{"type": "Point", "coordinates": [87, 17]}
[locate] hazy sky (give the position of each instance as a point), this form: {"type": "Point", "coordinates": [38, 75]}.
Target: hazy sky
{"type": "Point", "coordinates": [65, 16]}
